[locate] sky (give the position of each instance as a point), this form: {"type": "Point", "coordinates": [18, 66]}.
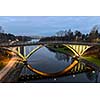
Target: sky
{"type": "Point", "coordinates": [47, 25]}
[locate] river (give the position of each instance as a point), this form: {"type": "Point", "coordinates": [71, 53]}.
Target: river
{"type": "Point", "coordinates": [50, 61]}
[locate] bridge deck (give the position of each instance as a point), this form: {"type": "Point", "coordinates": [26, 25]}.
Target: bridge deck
{"type": "Point", "coordinates": [50, 42]}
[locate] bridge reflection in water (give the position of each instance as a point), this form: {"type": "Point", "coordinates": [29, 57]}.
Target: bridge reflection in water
{"type": "Point", "coordinates": [53, 74]}
{"type": "Point", "coordinates": [74, 70]}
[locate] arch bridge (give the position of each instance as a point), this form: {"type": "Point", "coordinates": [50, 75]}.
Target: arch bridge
{"type": "Point", "coordinates": [78, 48]}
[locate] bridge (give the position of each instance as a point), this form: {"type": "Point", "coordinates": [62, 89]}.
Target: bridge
{"type": "Point", "coordinates": [77, 48]}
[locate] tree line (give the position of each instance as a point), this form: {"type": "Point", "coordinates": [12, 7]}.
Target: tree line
{"type": "Point", "coordinates": [64, 35]}
{"type": "Point", "coordinates": [69, 35]}
{"type": "Point", "coordinates": [7, 37]}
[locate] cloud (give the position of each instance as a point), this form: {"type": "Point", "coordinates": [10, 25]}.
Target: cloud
{"type": "Point", "coordinates": [47, 25]}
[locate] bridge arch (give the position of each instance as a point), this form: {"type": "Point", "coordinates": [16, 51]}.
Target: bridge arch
{"type": "Point", "coordinates": [78, 50]}
{"type": "Point", "coordinates": [33, 51]}
{"type": "Point", "coordinates": [69, 47]}
{"type": "Point", "coordinates": [24, 57]}
{"type": "Point", "coordinates": [16, 52]}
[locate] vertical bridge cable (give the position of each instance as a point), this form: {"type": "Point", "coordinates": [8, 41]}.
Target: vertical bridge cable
{"type": "Point", "coordinates": [18, 49]}
{"type": "Point", "coordinates": [86, 48]}
{"type": "Point", "coordinates": [24, 51]}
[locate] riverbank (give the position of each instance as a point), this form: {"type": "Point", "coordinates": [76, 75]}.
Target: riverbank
{"type": "Point", "coordinates": [92, 59]}
{"type": "Point", "coordinates": [61, 49]}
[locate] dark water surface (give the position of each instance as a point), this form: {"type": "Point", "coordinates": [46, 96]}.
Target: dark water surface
{"type": "Point", "coordinates": [49, 61]}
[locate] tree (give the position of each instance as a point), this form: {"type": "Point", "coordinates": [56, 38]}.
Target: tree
{"type": "Point", "coordinates": [70, 35]}
{"type": "Point", "coordinates": [94, 35]}
{"type": "Point", "coordinates": [60, 33]}
{"type": "Point", "coordinates": [78, 35]}
{"type": "Point", "coordinates": [83, 37]}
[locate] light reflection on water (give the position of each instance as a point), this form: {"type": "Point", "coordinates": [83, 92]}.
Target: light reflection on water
{"type": "Point", "coordinates": [49, 61]}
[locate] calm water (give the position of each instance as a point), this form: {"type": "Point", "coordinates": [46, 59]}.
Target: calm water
{"type": "Point", "coordinates": [50, 61]}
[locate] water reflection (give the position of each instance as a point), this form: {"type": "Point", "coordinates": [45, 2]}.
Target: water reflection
{"type": "Point", "coordinates": [63, 57]}
{"type": "Point", "coordinates": [92, 75]}
{"type": "Point", "coordinates": [51, 61]}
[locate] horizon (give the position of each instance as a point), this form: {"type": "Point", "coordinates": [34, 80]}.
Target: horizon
{"type": "Point", "coordinates": [47, 25]}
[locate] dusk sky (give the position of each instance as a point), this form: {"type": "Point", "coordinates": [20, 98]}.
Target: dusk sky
{"type": "Point", "coordinates": [47, 25]}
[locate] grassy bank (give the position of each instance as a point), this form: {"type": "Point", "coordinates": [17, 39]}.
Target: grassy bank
{"type": "Point", "coordinates": [92, 59]}
{"type": "Point", "coordinates": [61, 49]}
